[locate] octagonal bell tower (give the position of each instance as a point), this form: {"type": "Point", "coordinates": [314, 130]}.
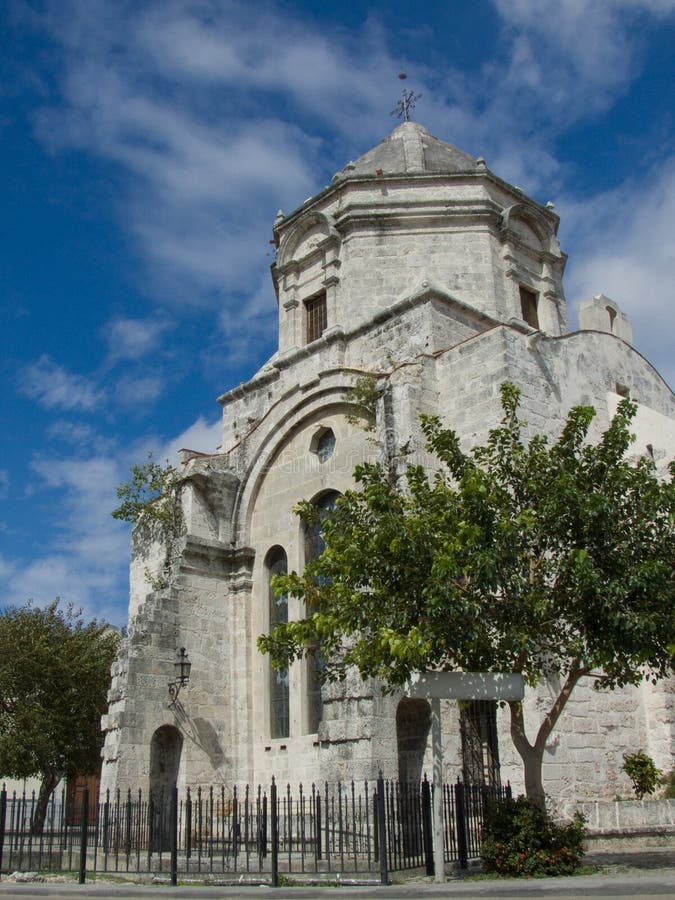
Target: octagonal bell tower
{"type": "Point", "coordinates": [410, 213]}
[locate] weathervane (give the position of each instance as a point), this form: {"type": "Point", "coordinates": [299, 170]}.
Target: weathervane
{"type": "Point", "coordinates": [406, 103]}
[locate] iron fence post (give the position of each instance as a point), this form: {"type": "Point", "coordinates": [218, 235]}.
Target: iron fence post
{"type": "Point", "coordinates": [426, 827]}
{"type": "Point", "coordinates": [188, 825]}
{"type": "Point", "coordinates": [174, 836]}
{"type": "Point", "coordinates": [274, 833]}
{"type": "Point", "coordinates": [82, 873]}
{"type": "Point", "coordinates": [127, 829]}
{"type": "Point", "coordinates": [3, 820]}
{"type": "Point", "coordinates": [460, 816]}
{"type": "Point", "coordinates": [318, 825]}
{"type": "Point", "coordinates": [382, 831]}
{"type": "Point", "coordinates": [106, 822]}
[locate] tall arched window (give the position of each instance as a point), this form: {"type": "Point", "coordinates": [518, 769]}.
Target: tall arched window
{"type": "Point", "coordinates": [277, 564]}
{"type": "Point", "coordinates": [314, 547]}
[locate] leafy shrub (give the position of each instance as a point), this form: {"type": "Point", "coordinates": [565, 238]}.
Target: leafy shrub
{"type": "Point", "coordinates": [642, 772]}
{"type": "Point", "coordinates": [519, 838]}
{"type": "Point", "coordinates": [668, 782]}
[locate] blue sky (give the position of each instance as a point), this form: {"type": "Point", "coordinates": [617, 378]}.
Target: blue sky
{"type": "Point", "coordinates": [146, 148]}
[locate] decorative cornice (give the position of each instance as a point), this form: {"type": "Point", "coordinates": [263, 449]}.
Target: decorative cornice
{"type": "Point", "coordinates": [213, 559]}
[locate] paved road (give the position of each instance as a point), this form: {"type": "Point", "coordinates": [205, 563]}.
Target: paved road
{"type": "Point", "coordinates": [636, 884]}
{"type": "Point", "coordinates": [641, 875]}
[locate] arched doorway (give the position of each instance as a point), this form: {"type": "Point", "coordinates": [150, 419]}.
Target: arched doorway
{"type": "Point", "coordinates": [413, 723]}
{"type": "Point", "coordinates": [165, 750]}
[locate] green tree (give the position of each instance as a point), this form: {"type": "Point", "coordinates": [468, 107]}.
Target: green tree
{"type": "Point", "coordinates": [54, 680]}
{"type": "Point", "coordinates": [548, 559]}
{"type": "Point", "coordinates": [150, 494]}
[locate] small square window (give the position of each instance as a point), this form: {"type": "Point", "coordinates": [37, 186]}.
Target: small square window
{"type": "Point", "coordinates": [528, 306]}
{"type": "Point", "coordinates": [316, 317]}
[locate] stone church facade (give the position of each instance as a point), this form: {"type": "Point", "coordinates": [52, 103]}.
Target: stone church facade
{"type": "Point", "coordinates": [422, 271]}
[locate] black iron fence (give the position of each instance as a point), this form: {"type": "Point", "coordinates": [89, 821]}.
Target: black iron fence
{"type": "Point", "coordinates": [341, 830]}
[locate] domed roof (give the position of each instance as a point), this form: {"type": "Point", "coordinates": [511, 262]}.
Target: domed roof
{"type": "Point", "coordinates": [410, 148]}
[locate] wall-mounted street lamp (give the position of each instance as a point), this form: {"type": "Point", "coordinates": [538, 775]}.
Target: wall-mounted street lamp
{"type": "Point", "coordinates": [181, 668]}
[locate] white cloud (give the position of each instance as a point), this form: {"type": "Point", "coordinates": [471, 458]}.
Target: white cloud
{"type": "Point", "coordinates": [4, 483]}
{"type": "Point", "coordinates": [201, 435]}
{"type": "Point", "coordinates": [84, 554]}
{"type": "Point", "coordinates": [138, 390]}
{"type": "Point", "coordinates": [179, 95]}
{"type": "Point", "coordinates": [130, 339]}
{"type": "Point", "coordinates": [624, 249]}
{"type": "Point", "coordinates": [56, 388]}
{"type": "Point", "coordinates": [567, 49]}
{"type": "Point", "coordinates": [339, 77]}
{"type": "Point", "coordinates": [77, 434]}
{"type": "Point", "coordinates": [75, 580]}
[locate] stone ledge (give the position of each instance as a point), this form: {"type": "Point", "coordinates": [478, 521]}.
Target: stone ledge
{"type": "Point", "coordinates": [214, 559]}
{"type": "Point", "coordinates": [628, 816]}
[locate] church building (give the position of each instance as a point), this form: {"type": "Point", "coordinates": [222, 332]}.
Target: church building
{"type": "Point", "coordinates": [422, 272]}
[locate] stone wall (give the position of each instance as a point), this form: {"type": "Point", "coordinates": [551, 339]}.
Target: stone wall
{"type": "Point", "coordinates": [629, 817]}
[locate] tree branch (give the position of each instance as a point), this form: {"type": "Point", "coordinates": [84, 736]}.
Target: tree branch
{"type": "Point", "coordinates": [576, 672]}
{"type": "Point", "coordinates": [518, 736]}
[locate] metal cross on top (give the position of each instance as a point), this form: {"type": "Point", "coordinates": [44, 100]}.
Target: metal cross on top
{"type": "Point", "coordinates": [406, 103]}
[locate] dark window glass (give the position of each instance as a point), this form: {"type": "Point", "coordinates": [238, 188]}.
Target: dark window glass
{"type": "Point", "coordinates": [326, 445]}
{"type": "Point", "coordinates": [528, 306]}
{"type": "Point", "coordinates": [314, 546]}
{"type": "Point", "coordinates": [278, 611]}
{"type": "Point", "coordinates": [317, 319]}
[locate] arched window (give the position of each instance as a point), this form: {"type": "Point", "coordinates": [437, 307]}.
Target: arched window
{"type": "Point", "coordinates": [277, 564]}
{"type": "Point", "coordinates": [314, 547]}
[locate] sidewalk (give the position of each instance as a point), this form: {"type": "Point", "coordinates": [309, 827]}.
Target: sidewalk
{"type": "Point", "coordinates": [636, 874]}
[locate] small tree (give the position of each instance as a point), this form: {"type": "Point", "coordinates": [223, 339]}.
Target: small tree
{"type": "Point", "coordinates": [543, 559]}
{"type": "Point", "coordinates": [149, 495]}
{"type": "Point", "coordinates": [54, 679]}
{"type": "Point", "coordinates": [642, 772]}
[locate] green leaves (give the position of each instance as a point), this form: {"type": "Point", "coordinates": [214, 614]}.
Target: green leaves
{"type": "Point", "coordinates": [538, 558]}
{"type": "Point", "coordinates": [149, 495]}
{"type": "Point", "coordinates": [54, 679]}
{"type": "Point", "coordinates": [518, 556]}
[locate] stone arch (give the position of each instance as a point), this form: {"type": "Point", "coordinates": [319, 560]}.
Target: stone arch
{"type": "Point", "coordinates": [329, 399]}
{"type": "Point", "coordinates": [527, 226]}
{"type": "Point", "coordinates": [323, 225]}
{"type": "Point", "coordinates": [166, 746]}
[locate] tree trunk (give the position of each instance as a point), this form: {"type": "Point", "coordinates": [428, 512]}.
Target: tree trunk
{"type": "Point", "coordinates": [532, 755]}
{"type": "Point", "coordinates": [49, 781]}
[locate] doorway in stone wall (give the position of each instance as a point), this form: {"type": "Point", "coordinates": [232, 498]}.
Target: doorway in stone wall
{"type": "Point", "coordinates": [413, 723]}
{"type": "Point", "coordinates": [165, 750]}
{"type": "Point", "coordinates": [480, 746]}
